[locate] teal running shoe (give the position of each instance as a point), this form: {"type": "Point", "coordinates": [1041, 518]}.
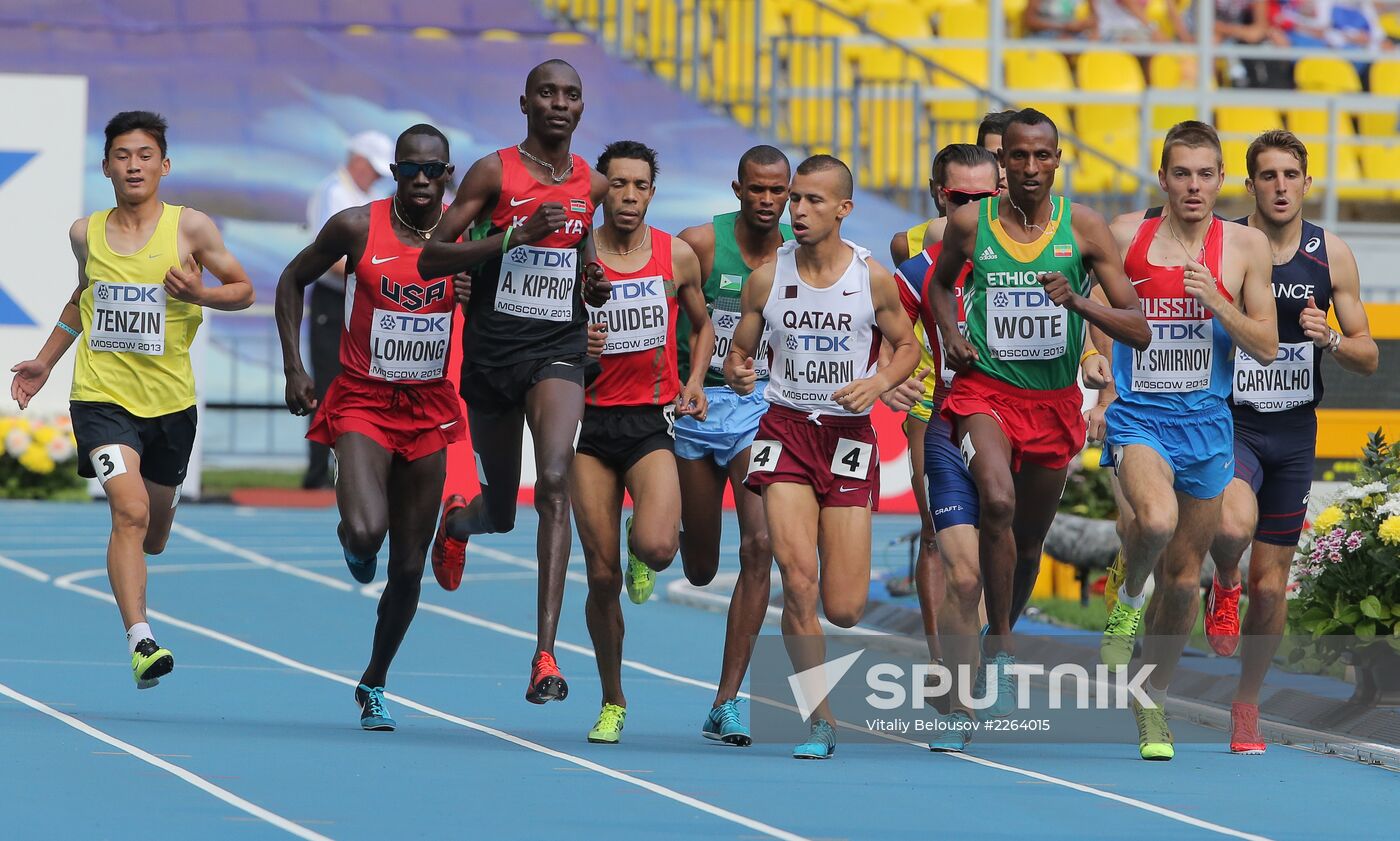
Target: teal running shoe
{"type": "Point", "coordinates": [362, 570]}
{"type": "Point", "coordinates": [1116, 649]}
{"type": "Point", "coordinates": [641, 579]}
{"type": "Point", "coordinates": [373, 714]}
{"type": "Point", "coordinates": [820, 745]}
{"type": "Point", "coordinates": [724, 725]}
{"type": "Point", "coordinates": [1005, 702]}
{"type": "Point", "coordinates": [954, 732]}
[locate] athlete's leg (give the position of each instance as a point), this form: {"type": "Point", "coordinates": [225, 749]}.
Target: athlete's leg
{"type": "Point", "coordinates": [496, 441]}
{"type": "Point", "coordinates": [793, 525]}
{"type": "Point", "coordinates": [126, 560]}
{"type": "Point", "coordinates": [1146, 482]}
{"type": "Point", "coordinates": [414, 491]}
{"type": "Point", "coordinates": [844, 542]}
{"type": "Point", "coordinates": [702, 517]}
{"type": "Point", "coordinates": [928, 567]}
{"type": "Point", "coordinates": [958, 623]}
{"type": "Point", "coordinates": [1239, 516]}
{"type": "Point", "coordinates": [1178, 590]}
{"type": "Point", "coordinates": [162, 502]}
{"type": "Point", "coordinates": [362, 494]}
{"type": "Point", "coordinates": [748, 606]}
{"type": "Point", "coordinates": [656, 503]}
{"type": "Point", "coordinates": [1264, 621]}
{"type": "Point", "coordinates": [597, 502]}
{"type": "Point", "coordinates": [554, 410]}
{"type": "Point", "coordinates": [1038, 491]}
{"type": "Point", "coordinates": [989, 454]}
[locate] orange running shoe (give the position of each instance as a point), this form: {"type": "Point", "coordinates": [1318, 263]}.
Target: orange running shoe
{"type": "Point", "coordinates": [1223, 618]}
{"type": "Point", "coordinates": [546, 684]}
{"type": "Point", "coordinates": [1244, 729]}
{"type": "Point", "coordinates": [449, 555]}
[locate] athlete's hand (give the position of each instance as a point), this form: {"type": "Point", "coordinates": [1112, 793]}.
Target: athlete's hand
{"type": "Point", "coordinates": [959, 352]}
{"type": "Point", "coordinates": [597, 338]}
{"type": "Point", "coordinates": [547, 218]}
{"type": "Point", "coordinates": [301, 393]}
{"type": "Point", "coordinates": [1096, 372]}
{"type": "Point", "coordinates": [859, 396]}
{"type": "Point", "coordinates": [1200, 284]}
{"type": "Point", "coordinates": [1058, 289]}
{"type": "Point", "coordinates": [29, 378]}
{"type": "Point", "coordinates": [1094, 418]}
{"type": "Point", "coordinates": [462, 288]}
{"type": "Point", "coordinates": [186, 283]}
{"type": "Point", "coordinates": [596, 290]}
{"type": "Point", "coordinates": [693, 403]}
{"type": "Point", "coordinates": [907, 394]}
{"type": "Point", "coordinates": [741, 378]}
{"type": "Point", "coordinates": [1314, 324]}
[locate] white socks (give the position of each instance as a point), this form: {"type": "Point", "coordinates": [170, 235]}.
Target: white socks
{"type": "Point", "coordinates": [136, 633]}
{"type": "Point", "coordinates": [1135, 602]}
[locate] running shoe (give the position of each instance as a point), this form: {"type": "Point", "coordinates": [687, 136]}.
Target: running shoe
{"type": "Point", "coordinates": [373, 714]}
{"type": "Point", "coordinates": [1154, 737]}
{"type": "Point", "coordinates": [449, 554]}
{"type": "Point", "coordinates": [1117, 574]}
{"type": "Point", "coordinates": [1244, 729]}
{"type": "Point", "coordinates": [954, 732]}
{"type": "Point", "coordinates": [820, 745]}
{"type": "Point", "coordinates": [609, 727]}
{"type": "Point", "coordinates": [724, 725]}
{"type": "Point", "coordinates": [641, 579]}
{"type": "Point", "coordinates": [1005, 703]}
{"type": "Point", "coordinates": [150, 663]}
{"type": "Point", "coordinates": [546, 684]}
{"type": "Point", "coordinates": [1116, 648]}
{"type": "Point", "coordinates": [362, 570]}
{"type": "Point", "coordinates": [1223, 618]}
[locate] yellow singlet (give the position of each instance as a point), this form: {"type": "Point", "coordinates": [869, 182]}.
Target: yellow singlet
{"type": "Point", "coordinates": [135, 346]}
{"type": "Point", "coordinates": [922, 410]}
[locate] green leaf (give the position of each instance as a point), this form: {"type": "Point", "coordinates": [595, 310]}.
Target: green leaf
{"type": "Point", "coordinates": [1394, 643]}
{"type": "Point", "coordinates": [1372, 607]}
{"type": "Point", "coordinates": [1325, 628]}
{"type": "Point", "coordinates": [1315, 612]}
{"type": "Point", "coordinates": [1350, 614]}
{"type": "Point", "coordinates": [1366, 631]}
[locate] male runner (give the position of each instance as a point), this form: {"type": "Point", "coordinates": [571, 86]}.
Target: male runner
{"type": "Point", "coordinates": [815, 457]}
{"type": "Point", "coordinates": [712, 451]}
{"type": "Point", "coordinates": [136, 308]}
{"type": "Point", "coordinates": [390, 413]}
{"type": "Point", "coordinates": [1275, 415]}
{"type": "Point", "coordinates": [1014, 405]}
{"type": "Point", "coordinates": [628, 420]}
{"type": "Point", "coordinates": [1203, 284]}
{"type": "Point", "coordinates": [524, 337]}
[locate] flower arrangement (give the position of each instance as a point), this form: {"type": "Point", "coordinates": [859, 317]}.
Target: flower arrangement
{"type": "Point", "coordinates": [1347, 572]}
{"type": "Point", "coordinates": [38, 457]}
{"type": "Point", "coordinates": [1089, 488]}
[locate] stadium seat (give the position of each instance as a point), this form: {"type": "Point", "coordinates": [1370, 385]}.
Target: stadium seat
{"type": "Point", "coordinates": [1324, 74]}
{"type": "Point", "coordinates": [1171, 72]}
{"type": "Point", "coordinates": [1310, 124]}
{"type": "Point", "coordinates": [955, 121]}
{"type": "Point", "coordinates": [964, 20]}
{"type": "Point", "coordinates": [899, 20]}
{"type": "Point", "coordinates": [809, 19]}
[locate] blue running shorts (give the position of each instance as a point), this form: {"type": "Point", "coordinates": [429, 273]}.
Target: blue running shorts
{"type": "Point", "coordinates": [1274, 454]}
{"type": "Point", "coordinates": [728, 430]}
{"type": "Point", "coordinates": [1199, 447]}
{"type": "Point", "coordinates": [952, 496]}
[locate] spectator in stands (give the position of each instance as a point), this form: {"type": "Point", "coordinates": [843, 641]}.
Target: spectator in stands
{"type": "Point", "coordinates": [367, 161]}
{"type": "Point", "coordinates": [1247, 22]}
{"type": "Point", "coordinates": [1339, 24]}
{"type": "Point", "coordinates": [1060, 19]}
{"type": "Point", "coordinates": [1126, 21]}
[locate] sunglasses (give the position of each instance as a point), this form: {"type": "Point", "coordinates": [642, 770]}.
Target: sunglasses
{"type": "Point", "coordinates": [408, 170]}
{"type": "Point", "coordinates": [958, 198]}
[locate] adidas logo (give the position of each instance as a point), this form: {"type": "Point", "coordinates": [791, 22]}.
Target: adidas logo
{"type": "Point", "coordinates": [987, 254]}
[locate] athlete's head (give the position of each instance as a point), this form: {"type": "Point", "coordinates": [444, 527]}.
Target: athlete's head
{"type": "Point", "coordinates": [134, 154]}
{"type": "Point", "coordinates": [630, 168]}
{"type": "Point", "coordinates": [990, 134]}
{"type": "Point", "coordinates": [762, 187]}
{"type": "Point", "coordinates": [1191, 170]}
{"type": "Point", "coordinates": [553, 100]}
{"type": "Point", "coordinates": [1277, 162]}
{"type": "Point", "coordinates": [963, 173]}
{"type": "Point", "coordinates": [820, 198]}
{"type": "Point", "coordinates": [422, 167]}
{"type": "Point", "coordinates": [1030, 154]}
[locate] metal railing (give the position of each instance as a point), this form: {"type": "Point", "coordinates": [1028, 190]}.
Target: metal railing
{"type": "Point", "coordinates": [245, 414]}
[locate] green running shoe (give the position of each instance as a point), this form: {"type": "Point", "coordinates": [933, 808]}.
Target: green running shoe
{"type": "Point", "coordinates": [1154, 737]}
{"type": "Point", "coordinates": [609, 727]}
{"type": "Point", "coordinates": [150, 663]}
{"type": "Point", "coordinates": [1116, 649]}
{"type": "Point", "coordinates": [641, 579]}
{"type": "Point", "coordinates": [820, 745]}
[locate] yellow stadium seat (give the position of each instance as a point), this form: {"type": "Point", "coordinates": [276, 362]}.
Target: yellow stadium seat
{"type": "Point", "coordinates": [1324, 74]}
{"type": "Point", "coordinates": [899, 20]}
{"type": "Point", "coordinates": [1040, 70]}
{"type": "Point", "coordinates": [807, 19]}
{"type": "Point", "coordinates": [955, 121]}
{"type": "Point", "coordinates": [1171, 72]}
{"type": "Point", "coordinates": [1381, 164]}
{"type": "Point", "coordinates": [1310, 124]}
{"type": "Point", "coordinates": [1385, 77]}
{"type": "Point", "coordinates": [1114, 72]}
{"type": "Point", "coordinates": [963, 21]}
{"type": "Point", "coordinates": [879, 62]}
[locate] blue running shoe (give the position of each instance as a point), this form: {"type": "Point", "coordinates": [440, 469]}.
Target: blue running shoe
{"type": "Point", "coordinates": [360, 569]}
{"type": "Point", "coordinates": [373, 714]}
{"type": "Point", "coordinates": [954, 732]}
{"type": "Point", "coordinates": [1005, 702]}
{"type": "Point", "coordinates": [820, 745]}
{"type": "Point", "coordinates": [724, 725]}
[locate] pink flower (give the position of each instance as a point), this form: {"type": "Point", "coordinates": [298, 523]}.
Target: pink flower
{"type": "Point", "coordinates": [1354, 541]}
{"type": "Point", "coordinates": [1334, 556]}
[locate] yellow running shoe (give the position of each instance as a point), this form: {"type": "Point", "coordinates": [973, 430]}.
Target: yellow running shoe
{"type": "Point", "coordinates": [608, 730]}
{"type": "Point", "coordinates": [1154, 737]}
{"type": "Point", "coordinates": [1119, 635]}
{"type": "Point", "coordinates": [150, 663]}
{"type": "Point", "coordinates": [1117, 572]}
{"type": "Point", "coordinates": [641, 579]}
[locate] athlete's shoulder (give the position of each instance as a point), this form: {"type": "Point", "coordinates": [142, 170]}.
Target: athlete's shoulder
{"type": "Point", "coordinates": [913, 269]}
{"type": "Point", "coordinates": [78, 236]}
{"type": "Point", "coordinates": [1246, 236]}
{"type": "Point", "coordinates": [700, 236]}
{"type": "Point", "coordinates": [1335, 251]}
{"type": "Point", "coordinates": [683, 256]}
{"type": "Point", "coordinates": [351, 220]}
{"type": "Point", "coordinates": [1133, 217]}
{"type": "Point", "coordinates": [1082, 215]}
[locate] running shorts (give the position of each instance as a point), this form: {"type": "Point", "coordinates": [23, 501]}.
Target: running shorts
{"type": "Point", "coordinates": [836, 455]}
{"type": "Point", "coordinates": [620, 436]}
{"type": "Point", "coordinates": [728, 429]}
{"type": "Point", "coordinates": [1199, 448]}
{"type": "Point", "coordinates": [497, 389]}
{"type": "Point", "coordinates": [1274, 453]}
{"type": "Point", "coordinates": [163, 442]}
{"type": "Point", "coordinates": [952, 495]}
{"type": "Point", "coordinates": [410, 420]}
{"type": "Point", "coordinates": [1045, 427]}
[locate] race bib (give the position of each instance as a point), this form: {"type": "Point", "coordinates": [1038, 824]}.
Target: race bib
{"type": "Point", "coordinates": [763, 456]}
{"type": "Point", "coordinates": [1179, 358]}
{"type": "Point", "coordinates": [817, 365]}
{"type": "Point", "coordinates": [1286, 384]}
{"type": "Point", "coordinates": [405, 346]}
{"type": "Point", "coordinates": [852, 458]}
{"type": "Point", "coordinates": [538, 283]}
{"type": "Point", "coordinates": [1023, 323]}
{"type": "Point", "coordinates": [636, 315]}
{"type": "Point", "coordinates": [724, 323]}
{"type": "Point", "coordinates": [128, 317]}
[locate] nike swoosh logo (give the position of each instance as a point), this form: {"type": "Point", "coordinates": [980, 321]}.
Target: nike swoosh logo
{"type": "Point", "coordinates": [517, 203]}
{"type": "Point", "coordinates": [1139, 282]}
{"type": "Point", "coordinates": [152, 256]}
{"type": "Point", "coordinates": [851, 292]}
{"type": "Point", "coordinates": [374, 261]}
{"type": "Point", "coordinates": [845, 490]}
{"type": "Point", "coordinates": [447, 425]}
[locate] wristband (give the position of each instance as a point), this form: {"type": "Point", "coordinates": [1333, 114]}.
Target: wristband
{"type": "Point", "coordinates": [1088, 353]}
{"type": "Point", "coordinates": [69, 330]}
{"type": "Point", "coordinates": [1332, 343]}
{"type": "Point", "coordinates": [505, 240]}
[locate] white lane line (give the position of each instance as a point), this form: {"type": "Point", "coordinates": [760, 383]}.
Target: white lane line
{"type": "Point", "coordinates": [69, 582]}
{"type": "Point", "coordinates": [24, 569]}
{"type": "Point", "coordinates": [175, 770]}
{"type": "Point", "coordinates": [257, 558]}
{"type": "Point", "coordinates": [518, 561]}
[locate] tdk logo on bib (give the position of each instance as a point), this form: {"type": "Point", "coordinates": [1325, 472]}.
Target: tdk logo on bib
{"type": "Point", "coordinates": [1292, 353]}
{"type": "Point", "coordinates": [404, 323]}
{"type": "Point", "coordinates": [545, 258]}
{"type": "Point", "coordinates": [622, 291]}
{"type": "Point", "coordinates": [1167, 331]}
{"type": "Point", "coordinates": [819, 344]}
{"type": "Point", "coordinates": [1023, 298]}
{"type": "Point", "coordinates": [128, 293]}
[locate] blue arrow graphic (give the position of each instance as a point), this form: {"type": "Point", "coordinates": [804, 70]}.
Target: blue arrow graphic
{"type": "Point", "coordinates": [10, 312]}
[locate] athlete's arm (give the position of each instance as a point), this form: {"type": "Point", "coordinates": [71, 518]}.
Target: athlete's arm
{"type": "Point", "coordinates": [701, 239]}
{"type": "Point", "coordinates": [959, 234]}
{"type": "Point", "coordinates": [235, 289]}
{"type": "Point", "coordinates": [1356, 350]}
{"type": "Point", "coordinates": [1252, 320]}
{"type": "Point", "coordinates": [899, 248]}
{"type": "Point", "coordinates": [1122, 319]}
{"type": "Point", "coordinates": [333, 244]}
{"type": "Point", "coordinates": [596, 288]}
{"type": "Point", "coordinates": [894, 324]}
{"type": "Point", "coordinates": [738, 364]}
{"type": "Point", "coordinates": [31, 375]}
{"type": "Point", "coordinates": [690, 292]}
